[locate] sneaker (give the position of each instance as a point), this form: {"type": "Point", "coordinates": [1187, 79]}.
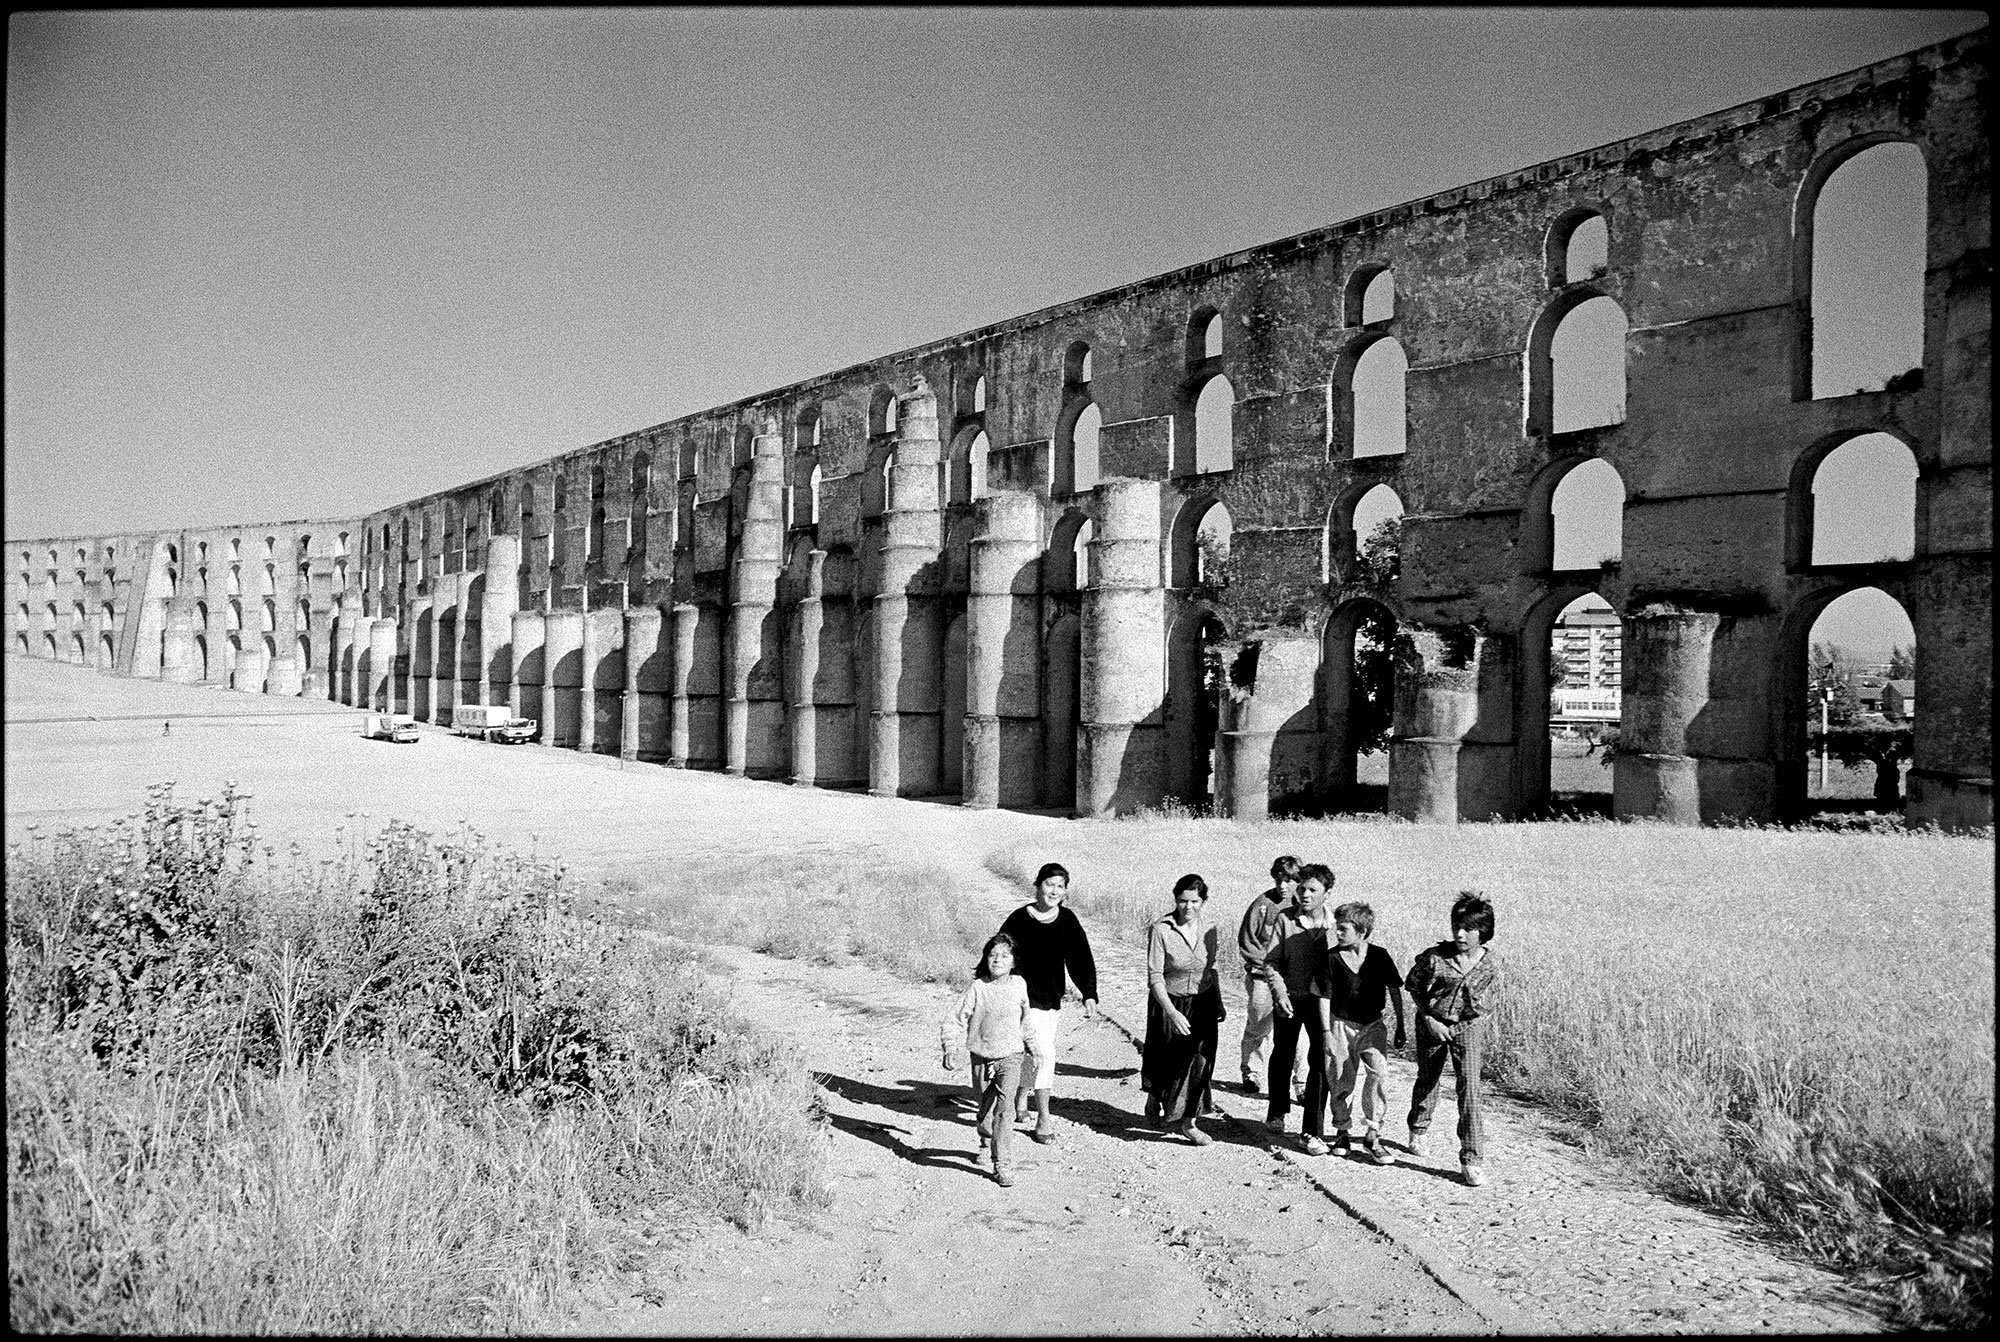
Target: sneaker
{"type": "Point", "coordinates": [1377, 1152]}
{"type": "Point", "coordinates": [1250, 1086]}
{"type": "Point", "coordinates": [1475, 1175]}
{"type": "Point", "coordinates": [1196, 1136]}
{"type": "Point", "coordinates": [1342, 1142]}
{"type": "Point", "coordinates": [1419, 1143]}
{"type": "Point", "coordinates": [1313, 1146]}
{"type": "Point", "coordinates": [1004, 1179]}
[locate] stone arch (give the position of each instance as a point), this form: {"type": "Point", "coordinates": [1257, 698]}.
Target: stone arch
{"type": "Point", "coordinates": [977, 398]}
{"type": "Point", "coordinates": [966, 464]}
{"type": "Point", "coordinates": [1204, 335]}
{"type": "Point", "coordinates": [1370, 410]}
{"type": "Point", "coordinates": [1577, 248]}
{"type": "Point", "coordinates": [200, 655]}
{"type": "Point", "coordinates": [1538, 549]}
{"type": "Point", "coordinates": [878, 478]}
{"type": "Point", "coordinates": [1575, 370]}
{"type": "Point", "coordinates": [1350, 521]}
{"type": "Point", "coordinates": [1064, 566]}
{"type": "Point", "coordinates": [951, 705]}
{"type": "Point", "coordinates": [1183, 552]}
{"type": "Point", "coordinates": [1535, 686]}
{"type": "Point", "coordinates": [1793, 707]}
{"type": "Point", "coordinates": [21, 643]}
{"type": "Point", "coordinates": [1062, 706]}
{"type": "Point", "coordinates": [302, 647]}
{"type": "Point", "coordinates": [1194, 704]}
{"type": "Point", "coordinates": [1214, 426]}
{"type": "Point", "coordinates": [1077, 370]}
{"type": "Point", "coordinates": [49, 647]}
{"type": "Point", "coordinates": [881, 410]}
{"type": "Point", "coordinates": [1828, 311]}
{"type": "Point", "coordinates": [1829, 526]}
{"type": "Point", "coordinates": [1355, 695]}
{"type": "Point", "coordinates": [107, 652]}
{"type": "Point", "coordinates": [1369, 296]}
{"type": "Point", "coordinates": [1073, 464]}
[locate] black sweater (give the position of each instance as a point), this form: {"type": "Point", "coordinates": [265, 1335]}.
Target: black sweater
{"type": "Point", "coordinates": [1043, 952]}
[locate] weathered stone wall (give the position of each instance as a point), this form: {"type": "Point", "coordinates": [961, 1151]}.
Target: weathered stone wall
{"type": "Point", "coordinates": [825, 583]}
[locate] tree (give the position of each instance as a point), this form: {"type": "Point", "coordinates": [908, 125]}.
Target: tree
{"type": "Point", "coordinates": [1903, 663]}
{"type": "Point", "coordinates": [1372, 690]}
{"type": "Point", "coordinates": [1379, 557]}
{"type": "Point", "coordinates": [1886, 745]}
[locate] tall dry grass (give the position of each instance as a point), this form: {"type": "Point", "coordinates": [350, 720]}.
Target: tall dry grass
{"type": "Point", "coordinates": [1794, 1025]}
{"type": "Point", "coordinates": [402, 1090]}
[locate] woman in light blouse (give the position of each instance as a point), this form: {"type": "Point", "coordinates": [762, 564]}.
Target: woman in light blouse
{"type": "Point", "coordinates": [1183, 1011]}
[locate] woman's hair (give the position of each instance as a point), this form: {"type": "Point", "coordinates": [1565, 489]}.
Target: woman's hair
{"type": "Point", "coordinates": [1194, 883]}
{"type": "Point", "coordinates": [1286, 868]}
{"type": "Point", "coordinates": [1052, 869]}
{"type": "Point", "coordinates": [997, 939]}
{"type": "Point", "coordinates": [1317, 871]}
{"type": "Point", "coordinates": [1471, 909]}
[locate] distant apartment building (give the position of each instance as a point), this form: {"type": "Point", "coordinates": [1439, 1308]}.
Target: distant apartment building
{"type": "Point", "coordinates": [1586, 644]}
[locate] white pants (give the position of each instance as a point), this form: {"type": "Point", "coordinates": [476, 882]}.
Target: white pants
{"type": "Point", "coordinates": [1042, 1038]}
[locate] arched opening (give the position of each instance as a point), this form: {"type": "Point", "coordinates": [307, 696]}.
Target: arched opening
{"type": "Point", "coordinates": [1184, 560]}
{"type": "Point", "coordinates": [1196, 682]}
{"type": "Point", "coordinates": [951, 708]}
{"type": "Point", "coordinates": [1857, 503]}
{"type": "Point", "coordinates": [1211, 548]}
{"type": "Point", "coordinates": [1367, 550]}
{"type": "Point", "coordinates": [1062, 706]}
{"type": "Point", "coordinates": [1356, 693]}
{"type": "Point", "coordinates": [1378, 405]}
{"type": "Point", "coordinates": [76, 650]}
{"type": "Point", "coordinates": [1214, 426]}
{"type": "Point", "coordinates": [1579, 248]}
{"type": "Point", "coordinates": [270, 613]}
{"type": "Point", "coordinates": [1571, 703]}
{"type": "Point", "coordinates": [1066, 567]}
{"type": "Point", "coordinates": [812, 494]}
{"type": "Point", "coordinates": [303, 648]}
{"type": "Point", "coordinates": [966, 465]}
{"type": "Point", "coordinates": [979, 394]}
{"type": "Point", "coordinates": [1587, 517]}
{"type": "Point", "coordinates": [1076, 365]}
{"type": "Point", "coordinates": [881, 411]}
{"type": "Point", "coordinates": [107, 652]}
{"type": "Point", "coordinates": [1866, 244]}
{"type": "Point", "coordinates": [21, 644]}
{"type": "Point", "coordinates": [1853, 668]}
{"type": "Point", "coordinates": [1370, 296]}
{"type": "Point", "coordinates": [1204, 336]}
{"type": "Point", "coordinates": [200, 655]}
{"type": "Point", "coordinates": [1076, 451]}
{"type": "Point", "coordinates": [1586, 369]}
{"type": "Point", "coordinates": [49, 646]}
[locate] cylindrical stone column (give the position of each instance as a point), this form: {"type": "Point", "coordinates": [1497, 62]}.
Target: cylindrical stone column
{"type": "Point", "coordinates": [282, 676]}
{"type": "Point", "coordinates": [471, 644]}
{"type": "Point", "coordinates": [908, 635]}
{"type": "Point", "coordinates": [1121, 750]}
{"type": "Point", "coordinates": [1003, 664]}
{"type": "Point", "coordinates": [351, 641]}
{"type": "Point", "coordinates": [380, 690]}
{"type": "Point", "coordinates": [177, 647]}
{"type": "Point", "coordinates": [753, 723]}
{"type": "Point", "coordinates": [496, 618]}
{"type": "Point", "coordinates": [802, 672]}
{"type": "Point", "coordinates": [562, 649]}
{"type": "Point", "coordinates": [1665, 681]}
{"type": "Point", "coordinates": [603, 682]}
{"type": "Point", "coordinates": [249, 673]}
{"type": "Point", "coordinates": [525, 698]}
{"type": "Point", "coordinates": [1280, 691]}
{"type": "Point", "coordinates": [648, 682]}
{"type": "Point", "coordinates": [1437, 702]}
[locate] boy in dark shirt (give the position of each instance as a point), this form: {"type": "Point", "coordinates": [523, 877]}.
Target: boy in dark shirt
{"type": "Point", "coordinates": [1359, 983]}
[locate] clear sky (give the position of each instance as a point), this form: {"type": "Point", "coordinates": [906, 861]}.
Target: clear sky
{"type": "Point", "coordinates": [265, 265]}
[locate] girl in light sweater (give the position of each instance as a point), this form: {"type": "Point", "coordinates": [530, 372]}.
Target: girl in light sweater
{"type": "Point", "coordinates": [990, 1024]}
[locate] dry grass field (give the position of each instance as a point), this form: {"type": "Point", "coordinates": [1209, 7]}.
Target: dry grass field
{"type": "Point", "coordinates": [1795, 1025]}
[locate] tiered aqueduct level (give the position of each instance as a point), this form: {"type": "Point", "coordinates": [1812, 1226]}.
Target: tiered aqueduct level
{"type": "Point", "coordinates": [909, 575]}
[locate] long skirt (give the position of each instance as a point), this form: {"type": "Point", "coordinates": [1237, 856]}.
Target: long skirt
{"type": "Point", "coordinates": [1175, 1068]}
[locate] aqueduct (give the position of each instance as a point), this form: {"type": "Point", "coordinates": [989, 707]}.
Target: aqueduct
{"type": "Point", "coordinates": [978, 568]}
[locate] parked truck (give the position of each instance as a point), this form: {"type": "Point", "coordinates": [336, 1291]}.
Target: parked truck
{"type": "Point", "coordinates": [491, 722]}
{"type": "Point", "coordinates": [388, 727]}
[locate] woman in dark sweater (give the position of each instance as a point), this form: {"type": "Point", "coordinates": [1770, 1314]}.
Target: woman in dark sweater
{"type": "Point", "coordinates": [1049, 945]}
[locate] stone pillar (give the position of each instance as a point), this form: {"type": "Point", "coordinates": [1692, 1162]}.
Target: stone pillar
{"type": "Point", "coordinates": [695, 736]}
{"type": "Point", "coordinates": [496, 618]}
{"type": "Point", "coordinates": [802, 670]}
{"type": "Point", "coordinates": [1665, 677]}
{"type": "Point", "coordinates": [524, 695]}
{"type": "Point", "coordinates": [603, 682]}
{"type": "Point", "coordinates": [444, 648]}
{"type": "Point", "coordinates": [348, 647]}
{"type": "Point", "coordinates": [417, 668]}
{"type": "Point", "coordinates": [908, 635]}
{"type": "Point", "coordinates": [469, 643]}
{"type": "Point", "coordinates": [1951, 766]}
{"type": "Point", "coordinates": [249, 673]}
{"type": "Point", "coordinates": [1121, 746]}
{"type": "Point", "coordinates": [1279, 676]}
{"type": "Point", "coordinates": [283, 676]}
{"type": "Point", "coordinates": [648, 680]}
{"type": "Point", "coordinates": [379, 693]}
{"type": "Point", "coordinates": [754, 709]}
{"type": "Point", "coordinates": [177, 651]}
{"type": "Point", "coordinates": [1437, 702]}
{"type": "Point", "coordinates": [1003, 662]}
{"type": "Point", "coordinates": [562, 652]}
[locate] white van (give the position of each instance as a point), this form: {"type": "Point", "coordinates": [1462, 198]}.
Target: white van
{"type": "Point", "coordinates": [491, 722]}
{"type": "Point", "coordinates": [388, 727]}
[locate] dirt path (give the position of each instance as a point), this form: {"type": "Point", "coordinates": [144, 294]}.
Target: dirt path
{"type": "Point", "coordinates": [1116, 1228]}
